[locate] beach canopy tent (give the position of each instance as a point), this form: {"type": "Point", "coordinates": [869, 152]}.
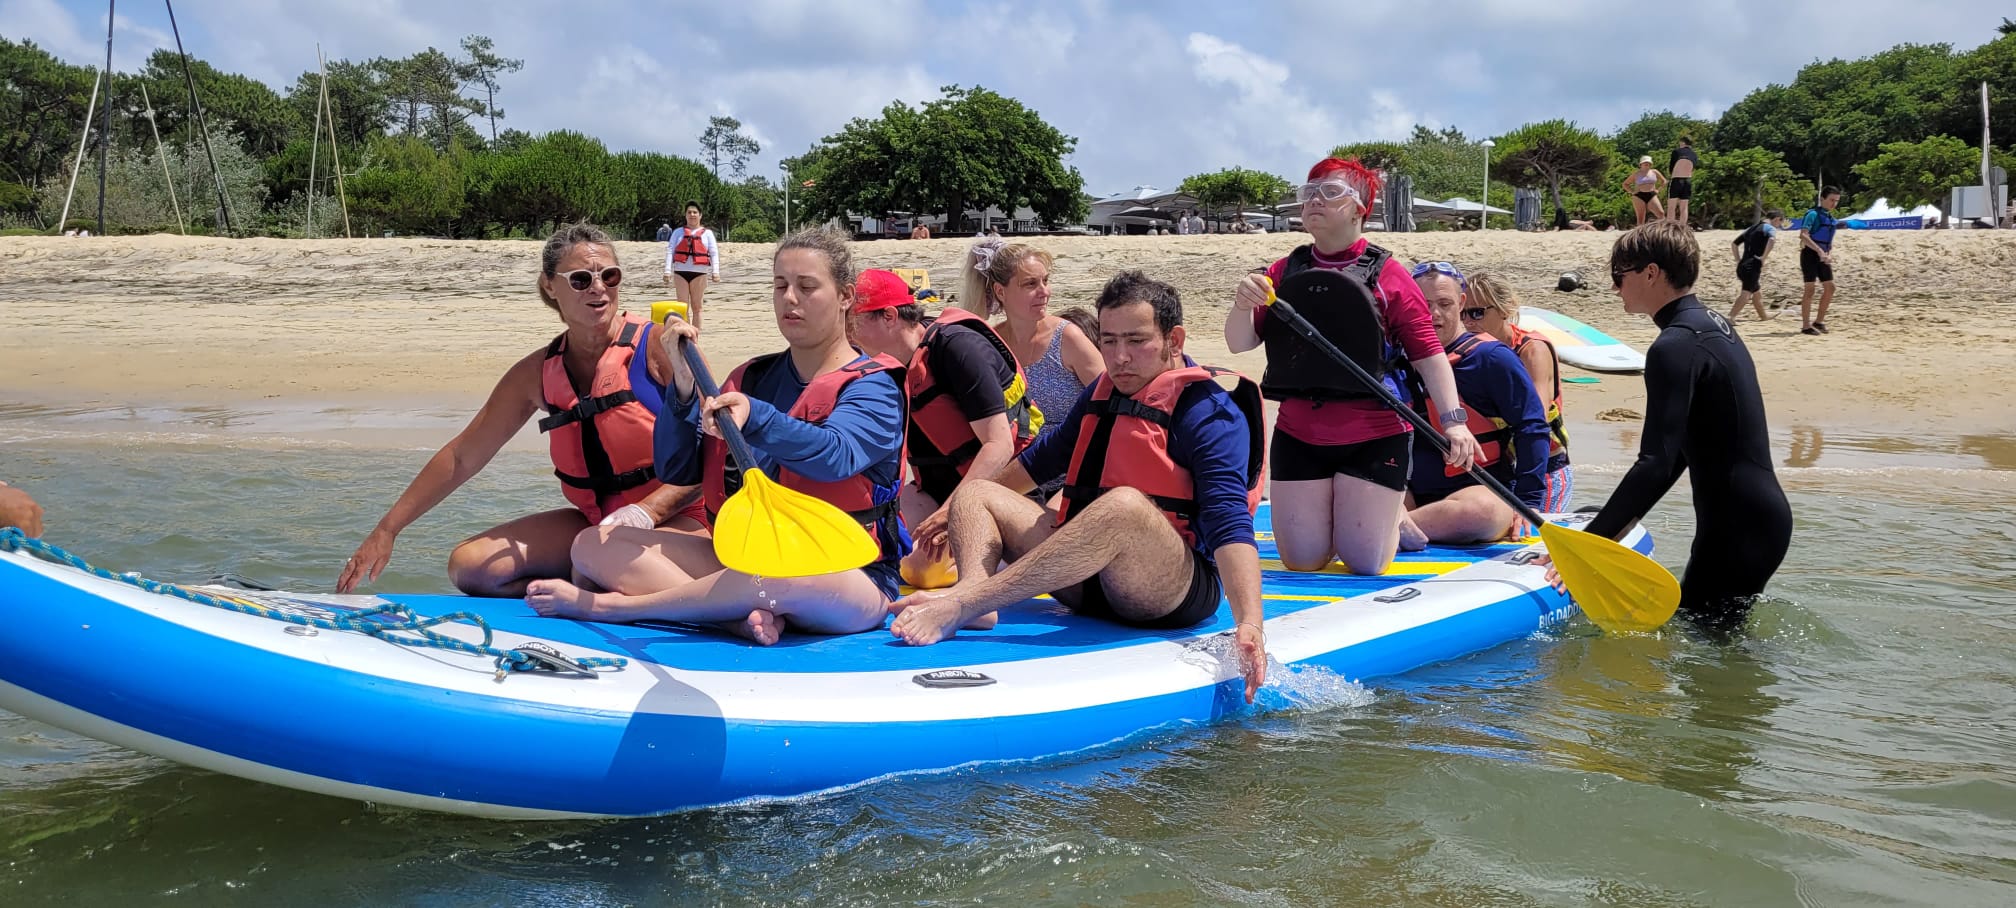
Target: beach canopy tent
{"type": "Point", "coordinates": [1142, 205]}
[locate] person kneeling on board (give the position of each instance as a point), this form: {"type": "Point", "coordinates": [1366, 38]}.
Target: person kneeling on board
{"type": "Point", "coordinates": [1162, 469]}
{"type": "Point", "coordinates": [601, 400]}
{"type": "Point", "coordinates": [823, 418]}
{"type": "Point", "coordinates": [19, 510]}
{"type": "Point", "coordinates": [970, 413]}
{"type": "Point", "coordinates": [1497, 401]}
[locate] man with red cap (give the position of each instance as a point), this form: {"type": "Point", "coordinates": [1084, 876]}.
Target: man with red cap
{"type": "Point", "coordinates": [969, 411]}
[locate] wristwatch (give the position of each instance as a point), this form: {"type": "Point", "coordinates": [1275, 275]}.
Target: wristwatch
{"type": "Point", "coordinates": [1455, 417]}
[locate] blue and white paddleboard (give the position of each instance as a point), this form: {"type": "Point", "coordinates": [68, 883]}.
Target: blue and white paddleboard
{"type": "Point", "coordinates": [1580, 345]}
{"type": "Point", "coordinates": [694, 718]}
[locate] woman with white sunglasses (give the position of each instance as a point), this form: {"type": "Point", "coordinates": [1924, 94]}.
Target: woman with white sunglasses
{"type": "Point", "coordinates": [601, 383]}
{"type": "Point", "coordinates": [1339, 458]}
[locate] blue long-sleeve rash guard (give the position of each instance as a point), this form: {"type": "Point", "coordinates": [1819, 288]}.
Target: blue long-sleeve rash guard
{"type": "Point", "coordinates": [1208, 436]}
{"type": "Point", "coordinates": [1492, 381]}
{"type": "Point", "coordinates": [864, 434]}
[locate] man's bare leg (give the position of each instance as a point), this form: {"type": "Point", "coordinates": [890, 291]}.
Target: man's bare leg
{"type": "Point", "coordinates": [844, 602]}
{"type": "Point", "coordinates": [1826, 297]}
{"type": "Point", "coordinates": [634, 562]}
{"type": "Point", "coordinates": [1806, 305]}
{"type": "Point", "coordinates": [1142, 585]}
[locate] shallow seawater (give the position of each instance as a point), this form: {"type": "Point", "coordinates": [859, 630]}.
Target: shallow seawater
{"type": "Point", "coordinates": [1851, 747]}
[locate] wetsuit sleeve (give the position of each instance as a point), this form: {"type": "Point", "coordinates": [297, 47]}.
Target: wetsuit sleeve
{"type": "Point", "coordinates": [1050, 454]}
{"type": "Point", "coordinates": [1670, 376]}
{"type": "Point", "coordinates": [865, 429]}
{"type": "Point", "coordinates": [1518, 404]}
{"type": "Point", "coordinates": [969, 369]}
{"type": "Point", "coordinates": [675, 440]}
{"type": "Point", "coordinates": [1210, 438]}
{"type": "Point", "coordinates": [1408, 322]}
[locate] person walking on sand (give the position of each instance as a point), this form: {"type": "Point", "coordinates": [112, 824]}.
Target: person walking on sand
{"type": "Point", "coordinates": [1816, 259]}
{"type": "Point", "coordinates": [691, 257]}
{"type": "Point", "coordinates": [1704, 416]}
{"type": "Point", "coordinates": [600, 386]}
{"type": "Point", "coordinates": [820, 416]}
{"type": "Point", "coordinates": [1681, 187]}
{"type": "Point", "coordinates": [1162, 472]}
{"type": "Point", "coordinates": [1751, 248]}
{"type": "Point", "coordinates": [1643, 184]}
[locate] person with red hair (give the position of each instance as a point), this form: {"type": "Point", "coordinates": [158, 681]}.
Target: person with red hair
{"type": "Point", "coordinates": [1339, 459]}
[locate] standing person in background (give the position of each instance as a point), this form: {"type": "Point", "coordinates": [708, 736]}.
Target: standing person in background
{"type": "Point", "coordinates": [1816, 259]}
{"type": "Point", "coordinates": [1751, 247]}
{"type": "Point", "coordinates": [1012, 280]}
{"type": "Point", "coordinates": [1493, 308]}
{"type": "Point", "coordinates": [920, 232]}
{"type": "Point", "coordinates": [1340, 457]}
{"type": "Point", "coordinates": [1681, 187]}
{"type": "Point", "coordinates": [691, 257]}
{"type": "Point", "coordinates": [665, 236]}
{"type": "Point", "coordinates": [19, 510]}
{"type": "Point", "coordinates": [1643, 185]}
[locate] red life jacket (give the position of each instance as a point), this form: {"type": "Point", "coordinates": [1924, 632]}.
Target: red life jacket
{"type": "Point", "coordinates": [856, 494]}
{"type": "Point", "coordinates": [935, 415]}
{"type": "Point", "coordinates": [1134, 449]}
{"type": "Point", "coordinates": [1557, 426]}
{"type": "Point", "coordinates": [692, 249]}
{"type": "Point", "coordinates": [1491, 432]}
{"type": "Point", "coordinates": [601, 446]}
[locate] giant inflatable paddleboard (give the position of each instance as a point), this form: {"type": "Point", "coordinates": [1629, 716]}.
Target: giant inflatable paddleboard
{"type": "Point", "coordinates": [1580, 345]}
{"type": "Point", "coordinates": [274, 687]}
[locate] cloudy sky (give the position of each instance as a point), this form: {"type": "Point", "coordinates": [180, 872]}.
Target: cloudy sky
{"type": "Point", "coordinates": [1153, 91]}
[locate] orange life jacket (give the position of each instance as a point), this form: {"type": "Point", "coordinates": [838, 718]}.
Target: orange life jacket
{"type": "Point", "coordinates": [1490, 431]}
{"type": "Point", "coordinates": [601, 446]}
{"type": "Point", "coordinates": [856, 494]}
{"type": "Point", "coordinates": [692, 249]}
{"type": "Point", "coordinates": [1135, 450]}
{"type": "Point", "coordinates": [936, 415]}
{"type": "Point", "coordinates": [1557, 426]}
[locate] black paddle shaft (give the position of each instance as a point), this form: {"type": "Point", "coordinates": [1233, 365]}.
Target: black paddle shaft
{"type": "Point", "coordinates": [745, 458]}
{"type": "Point", "coordinates": [1283, 310]}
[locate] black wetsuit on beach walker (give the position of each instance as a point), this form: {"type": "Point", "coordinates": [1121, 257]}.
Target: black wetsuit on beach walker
{"type": "Point", "coordinates": [1704, 413]}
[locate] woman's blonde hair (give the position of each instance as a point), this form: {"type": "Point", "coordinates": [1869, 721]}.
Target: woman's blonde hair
{"type": "Point", "coordinates": [991, 263]}
{"type": "Point", "coordinates": [1488, 289]}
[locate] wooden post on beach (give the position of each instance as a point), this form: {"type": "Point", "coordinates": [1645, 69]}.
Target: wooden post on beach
{"type": "Point", "coordinates": [181, 226]}
{"type": "Point", "coordinates": [314, 145]}
{"type": "Point", "coordinates": [105, 135]}
{"type": "Point", "coordinates": [1988, 165]}
{"type": "Point", "coordinates": [335, 157]}
{"type": "Point", "coordinates": [63, 221]}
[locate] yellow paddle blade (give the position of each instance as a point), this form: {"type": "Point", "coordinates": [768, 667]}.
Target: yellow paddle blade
{"type": "Point", "coordinates": [1621, 590]}
{"type": "Point", "coordinates": [767, 530]}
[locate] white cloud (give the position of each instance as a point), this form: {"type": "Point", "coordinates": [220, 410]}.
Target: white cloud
{"type": "Point", "coordinates": [1152, 91]}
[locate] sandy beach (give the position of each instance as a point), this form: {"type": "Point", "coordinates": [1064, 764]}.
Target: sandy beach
{"type": "Point", "coordinates": [174, 321]}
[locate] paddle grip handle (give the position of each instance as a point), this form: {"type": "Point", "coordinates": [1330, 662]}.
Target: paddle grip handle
{"type": "Point", "coordinates": [1282, 309]}
{"type": "Point", "coordinates": [745, 457]}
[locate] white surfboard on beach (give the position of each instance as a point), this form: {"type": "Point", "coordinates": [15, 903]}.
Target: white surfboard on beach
{"type": "Point", "coordinates": [1580, 345]}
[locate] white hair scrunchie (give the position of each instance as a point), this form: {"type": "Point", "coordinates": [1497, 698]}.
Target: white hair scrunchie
{"type": "Point", "coordinates": [984, 252]}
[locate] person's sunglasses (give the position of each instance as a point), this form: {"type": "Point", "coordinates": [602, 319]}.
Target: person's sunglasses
{"type": "Point", "coordinates": [1617, 277]}
{"type": "Point", "coordinates": [1327, 190]}
{"type": "Point", "coordinates": [1473, 313]}
{"type": "Point", "coordinates": [1443, 268]}
{"type": "Point", "coordinates": [583, 279]}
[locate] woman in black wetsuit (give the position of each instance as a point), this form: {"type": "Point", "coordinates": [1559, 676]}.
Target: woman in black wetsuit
{"type": "Point", "coordinates": [1704, 412]}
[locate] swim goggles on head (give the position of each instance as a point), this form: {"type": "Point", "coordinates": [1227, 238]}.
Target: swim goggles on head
{"type": "Point", "coordinates": [1327, 190]}
{"type": "Point", "coordinates": [1443, 268]}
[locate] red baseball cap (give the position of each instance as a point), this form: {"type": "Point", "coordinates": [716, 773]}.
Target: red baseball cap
{"type": "Point", "coordinates": [877, 289]}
